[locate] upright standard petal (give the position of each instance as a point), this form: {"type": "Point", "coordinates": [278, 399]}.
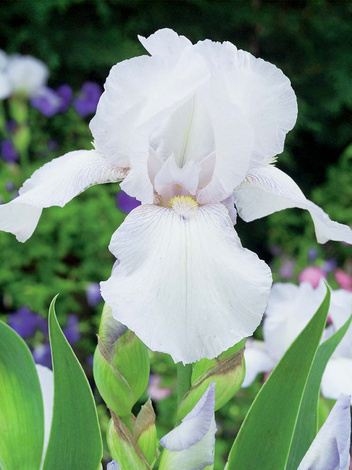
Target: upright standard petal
{"type": "Point", "coordinates": [55, 184]}
{"type": "Point", "coordinates": [267, 189]}
{"type": "Point", "coordinates": [191, 444]}
{"type": "Point", "coordinates": [164, 41]}
{"type": "Point", "coordinates": [185, 286]}
{"type": "Point", "coordinates": [330, 448]}
{"type": "Point", "coordinates": [46, 380]}
{"type": "Point", "coordinates": [258, 88]}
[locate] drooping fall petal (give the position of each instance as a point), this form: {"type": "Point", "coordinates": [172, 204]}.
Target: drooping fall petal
{"type": "Point", "coordinates": [267, 190]}
{"type": "Point", "coordinates": [185, 286]}
{"type": "Point", "coordinates": [55, 184]}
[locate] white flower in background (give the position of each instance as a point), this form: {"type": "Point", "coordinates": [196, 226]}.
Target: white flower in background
{"type": "Point", "coordinates": [330, 449]}
{"type": "Point", "coordinates": [191, 445]}
{"type": "Point", "coordinates": [46, 380]}
{"type": "Point", "coordinates": [5, 85]}
{"type": "Point", "coordinates": [182, 128]}
{"type": "Point", "coordinates": [290, 308]}
{"type": "Point", "coordinates": [21, 74]}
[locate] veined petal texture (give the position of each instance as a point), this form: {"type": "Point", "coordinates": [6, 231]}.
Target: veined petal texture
{"type": "Point", "coordinates": [55, 184]}
{"type": "Point", "coordinates": [267, 190]}
{"type": "Point", "coordinates": [185, 286]}
{"type": "Point", "coordinates": [191, 444]}
{"type": "Point", "coordinates": [330, 448]}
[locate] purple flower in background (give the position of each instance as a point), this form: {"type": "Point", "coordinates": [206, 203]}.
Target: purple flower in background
{"type": "Point", "coordinates": [10, 186]}
{"type": "Point", "coordinates": [11, 126]}
{"type": "Point", "coordinates": [125, 202]}
{"type": "Point", "coordinates": [93, 294]}
{"type": "Point", "coordinates": [330, 265]}
{"type": "Point", "coordinates": [8, 151]}
{"type": "Point", "coordinates": [47, 102]}
{"type": "Point", "coordinates": [312, 254]}
{"type": "Point", "coordinates": [42, 355]}
{"type": "Point", "coordinates": [52, 145]}
{"type": "Point", "coordinates": [71, 331]}
{"type": "Point", "coordinates": [87, 101]}
{"type": "Point", "coordinates": [65, 93]}
{"type": "Point", "coordinates": [287, 268]}
{"type": "Point", "coordinates": [24, 322]}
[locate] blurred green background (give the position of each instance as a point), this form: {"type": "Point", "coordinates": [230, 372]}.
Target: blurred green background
{"type": "Point", "coordinates": [80, 40]}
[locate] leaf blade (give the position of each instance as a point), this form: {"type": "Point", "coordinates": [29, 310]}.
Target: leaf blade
{"type": "Point", "coordinates": [306, 426]}
{"type": "Point", "coordinates": [21, 405]}
{"type": "Point", "coordinates": [75, 440]}
{"type": "Point", "coordinates": [265, 436]}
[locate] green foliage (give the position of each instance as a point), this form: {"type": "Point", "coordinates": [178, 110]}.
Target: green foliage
{"type": "Point", "coordinates": [265, 436]}
{"type": "Point", "coordinates": [307, 422]}
{"type": "Point", "coordinates": [21, 405]}
{"type": "Point", "coordinates": [75, 440]}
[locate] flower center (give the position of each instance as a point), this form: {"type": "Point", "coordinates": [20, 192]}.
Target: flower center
{"type": "Point", "coordinates": [185, 206]}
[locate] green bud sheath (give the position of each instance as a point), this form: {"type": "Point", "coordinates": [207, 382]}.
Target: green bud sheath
{"type": "Point", "coordinates": [227, 371]}
{"type": "Point", "coordinates": [121, 365]}
{"type": "Point", "coordinates": [144, 433]}
{"type": "Point", "coordinates": [123, 447]}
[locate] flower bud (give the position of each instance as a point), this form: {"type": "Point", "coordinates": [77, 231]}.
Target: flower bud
{"type": "Point", "coordinates": [144, 433]}
{"type": "Point", "coordinates": [123, 447]}
{"type": "Point", "coordinates": [121, 365]}
{"type": "Point", "coordinates": [227, 371]}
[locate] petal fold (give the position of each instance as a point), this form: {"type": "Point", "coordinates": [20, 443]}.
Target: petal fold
{"type": "Point", "coordinates": [330, 448]}
{"type": "Point", "coordinates": [186, 287]}
{"type": "Point", "coordinates": [55, 184]}
{"type": "Point", "coordinates": [191, 444]}
{"type": "Point", "coordinates": [267, 189]}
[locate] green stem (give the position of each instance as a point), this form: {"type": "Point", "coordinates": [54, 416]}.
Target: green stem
{"type": "Point", "coordinates": [184, 373]}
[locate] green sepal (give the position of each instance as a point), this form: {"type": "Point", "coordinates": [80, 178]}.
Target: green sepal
{"type": "Point", "coordinates": [227, 371]}
{"type": "Point", "coordinates": [123, 447]}
{"type": "Point", "coordinates": [21, 405]}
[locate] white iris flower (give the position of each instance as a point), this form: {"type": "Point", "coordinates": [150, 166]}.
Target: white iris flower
{"type": "Point", "coordinates": [21, 74]}
{"type": "Point", "coordinates": [189, 130]}
{"type": "Point", "coordinates": [290, 308]}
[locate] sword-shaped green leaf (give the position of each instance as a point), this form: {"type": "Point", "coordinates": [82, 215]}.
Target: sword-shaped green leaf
{"type": "Point", "coordinates": [75, 439]}
{"type": "Point", "coordinates": [21, 405]}
{"type": "Point", "coordinates": [264, 439]}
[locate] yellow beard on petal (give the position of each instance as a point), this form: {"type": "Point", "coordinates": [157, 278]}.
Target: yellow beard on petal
{"type": "Point", "coordinates": [184, 205]}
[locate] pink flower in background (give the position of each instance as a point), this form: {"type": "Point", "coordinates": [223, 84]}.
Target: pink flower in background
{"type": "Point", "coordinates": [343, 279]}
{"type": "Point", "coordinates": [156, 392]}
{"type": "Point", "coordinates": [312, 274]}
